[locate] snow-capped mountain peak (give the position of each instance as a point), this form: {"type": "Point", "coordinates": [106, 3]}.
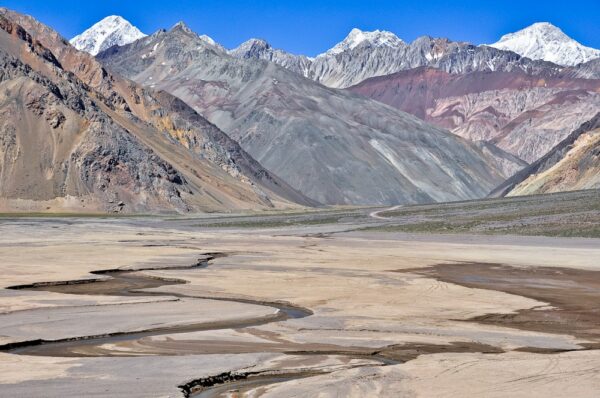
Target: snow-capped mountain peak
{"type": "Point", "coordinates": [376, 38]}
{"type": "Point", "coordinates": [544, 41]}
{"type": "Point", "coordinates": [112, 30]}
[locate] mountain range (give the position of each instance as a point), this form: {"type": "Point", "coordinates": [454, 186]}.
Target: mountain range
{"type": "Point", "coordinates": [332, 145]}
{"type": "Point", "coordinates": [362, 55]}
{"type": "Point", "coordinates": [367, 54]}
{"type": "Point", "coordinates": [524, 114]}
{"type": "Point", "coordinates": [175, 122]}
{"type": "Point", "coordinates": [507, 93]}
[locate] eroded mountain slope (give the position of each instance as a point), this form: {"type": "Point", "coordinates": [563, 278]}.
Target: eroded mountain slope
{"type": "Point", "coordinates": [574, 164]}
{"type": "Point", "coordinates": [522, 113]}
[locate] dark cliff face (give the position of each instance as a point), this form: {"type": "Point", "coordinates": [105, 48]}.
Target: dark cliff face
{"type": "Point", "coordinates": [334, 146]}
{"type": "Point", "coordinates": [83, 134]}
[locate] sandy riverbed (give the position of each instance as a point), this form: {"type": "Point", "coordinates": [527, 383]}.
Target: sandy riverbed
{"type": "Point", "coordinates": [368, 324]}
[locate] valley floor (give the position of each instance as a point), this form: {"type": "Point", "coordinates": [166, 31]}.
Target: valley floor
{"type": "Point", "coordinates": [342, 302]}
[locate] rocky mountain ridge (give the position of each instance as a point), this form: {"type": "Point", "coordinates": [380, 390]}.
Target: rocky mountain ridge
{"type": "Point", "coordinates": [363, 55]}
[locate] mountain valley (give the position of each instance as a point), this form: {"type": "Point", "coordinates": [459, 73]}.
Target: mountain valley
{"type": "Point", "coordinates": [388, 216]}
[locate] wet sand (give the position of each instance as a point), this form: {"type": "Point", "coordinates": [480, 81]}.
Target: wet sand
{"type": "Point", "coordinates": [572, 295]}
{"type": "Point", "coordinates": [237, 389]}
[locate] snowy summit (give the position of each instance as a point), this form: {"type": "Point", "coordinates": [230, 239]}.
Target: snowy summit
{"type": "Point", "coordinates": [111, 31]}
{"type": "Point", "coordinates": [545, 41]}
{"type": "Point", "coordinates": [356, 37]}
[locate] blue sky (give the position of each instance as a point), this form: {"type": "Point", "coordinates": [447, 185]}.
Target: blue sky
{"type": "Point", "coordinates": [310, 26]}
